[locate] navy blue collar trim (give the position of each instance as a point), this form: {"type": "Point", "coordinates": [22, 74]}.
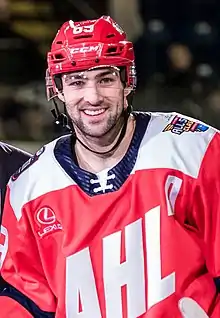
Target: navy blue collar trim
{"type": "Point", "coordinates": [88, 181]}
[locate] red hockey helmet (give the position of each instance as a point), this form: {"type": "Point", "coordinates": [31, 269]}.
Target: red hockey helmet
{"type": "Point", "coordinates": [84, 45]}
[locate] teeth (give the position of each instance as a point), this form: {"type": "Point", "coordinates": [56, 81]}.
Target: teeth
{"type": "Point", "coordinates": [94, 112]}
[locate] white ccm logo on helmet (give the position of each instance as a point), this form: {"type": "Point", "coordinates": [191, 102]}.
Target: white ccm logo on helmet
{"type": "Point", "coordinates": [84, 49]}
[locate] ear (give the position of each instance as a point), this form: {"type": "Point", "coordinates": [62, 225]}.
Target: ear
{"type": "Point", "coordinates": [127, 91]}
{"type": "Point", "coordinates": [125, 102]}
{"type": "Point", "coordinates": [61, 97]}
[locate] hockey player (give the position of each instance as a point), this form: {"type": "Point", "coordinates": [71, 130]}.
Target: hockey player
{"type": "Point", "coordinates": [120, 218]}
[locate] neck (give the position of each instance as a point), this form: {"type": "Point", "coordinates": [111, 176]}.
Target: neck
{"type": "Point", "coordinates": [96, 162]}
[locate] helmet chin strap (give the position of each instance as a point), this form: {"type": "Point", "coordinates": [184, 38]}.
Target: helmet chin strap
{"type": "Point", "coordinates": [61, 118]}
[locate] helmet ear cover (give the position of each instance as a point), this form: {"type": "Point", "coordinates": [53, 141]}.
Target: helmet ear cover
{"type": "Point", "coordinates": [123, 75]}
{"type": "Point", "coordinates": [58, 82]}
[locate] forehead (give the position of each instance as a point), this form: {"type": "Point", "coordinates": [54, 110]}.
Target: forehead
{"type": "Point", "coordinates": [92, 73]}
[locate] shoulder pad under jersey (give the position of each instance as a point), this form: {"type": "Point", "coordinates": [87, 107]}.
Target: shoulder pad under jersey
{"type": "Point", "coordinates": [174, 141]}
{"type": "Point", "coordinates": [41, 174]}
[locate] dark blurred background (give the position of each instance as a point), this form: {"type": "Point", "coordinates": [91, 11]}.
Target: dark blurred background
{"type": "Point", "coordinates": [177, 46]}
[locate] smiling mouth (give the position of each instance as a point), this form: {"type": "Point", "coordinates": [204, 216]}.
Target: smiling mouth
{"type": "Point", "coordinates": [94, 112]}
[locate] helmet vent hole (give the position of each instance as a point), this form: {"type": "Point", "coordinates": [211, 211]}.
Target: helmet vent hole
{"type": "Point", "coordinates": [111, 35]}
{"type": "Point", "coordinates": [86, 36]}
{"type": "Point", "coordinates": [59, 42]}
{"type": "Point", "coordinates": [112, 51]}
{"type": "Point", "coordinates": [59, 56]}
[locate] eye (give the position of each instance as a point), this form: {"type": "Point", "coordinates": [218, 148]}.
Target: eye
{"type": "Point", "coordinates": [77, 84]}
{"type": "Point", "coordinates": [106, 80]}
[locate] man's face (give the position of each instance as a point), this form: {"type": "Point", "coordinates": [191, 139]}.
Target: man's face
{"type": "Point", "coordinates": [94, 100]}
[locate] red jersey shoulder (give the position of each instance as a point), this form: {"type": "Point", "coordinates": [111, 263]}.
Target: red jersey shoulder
{"type": "Point", "coordinates": [37, 165]}
{"type": "Point", "coordinates": [41, 175]}
{"type": "Point", "coordinates": [174, 141]}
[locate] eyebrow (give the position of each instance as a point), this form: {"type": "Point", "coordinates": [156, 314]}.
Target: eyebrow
{"type": "Point", "coordinates": [78, 76]}
{"type": "Point", "coordinates": [106, 73]}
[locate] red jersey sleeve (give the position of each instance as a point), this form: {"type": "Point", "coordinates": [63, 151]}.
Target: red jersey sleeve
{"type": "Point", "coordinates": [12, 309]}
{"type": "Point", "coordinates": [205, 210]}
{"type": "Point", "coordinates": [21, 265]}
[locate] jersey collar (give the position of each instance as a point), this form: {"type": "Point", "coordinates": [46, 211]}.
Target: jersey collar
{"type": "Point", "coordinates": [116, 176]}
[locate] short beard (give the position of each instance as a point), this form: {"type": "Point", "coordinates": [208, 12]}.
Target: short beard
{"type": "Point", "coordinates": [111, 123]}
{"type": "Point", "coordinates": [114, 121]}
{"type": "Point", "coordinates": [113, 137]}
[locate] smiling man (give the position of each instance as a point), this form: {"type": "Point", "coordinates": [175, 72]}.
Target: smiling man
{"type": "Point", "coordinates": [99, 97]}
{"type": "Point", "coordinates": [121, 217]}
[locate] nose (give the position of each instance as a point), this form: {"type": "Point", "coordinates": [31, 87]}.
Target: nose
{"type": "Point", "coordinates": [93, 96]}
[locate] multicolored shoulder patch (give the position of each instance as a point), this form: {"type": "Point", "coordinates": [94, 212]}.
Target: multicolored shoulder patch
{"type": "Point", "coordinates": [179, 125]}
